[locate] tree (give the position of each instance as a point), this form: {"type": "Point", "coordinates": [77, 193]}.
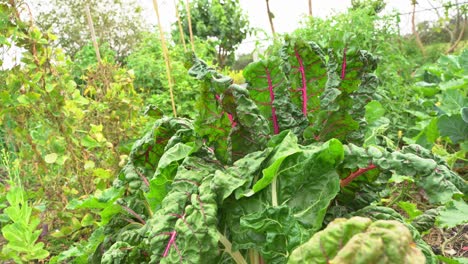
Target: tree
{"type": "Point", "coordinates": [223, 20]}
{"type": "Point", "coordinates": [375, 6]}
{"type": "Point", "coordinates": [453, 22]}
{"type": "Point", "coordinates": [117, 22]}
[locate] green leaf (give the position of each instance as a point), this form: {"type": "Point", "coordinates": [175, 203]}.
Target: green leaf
{"type": "Point", "coordinates": [400, 178]}
{"type": "Point", "coordinates": [464, 114]}
{"type": "Point", "coordinates": [410, 209]}
{"type": "Point", "coordinates": [425, 221]}
{"type": "Point", "coordinates": [251, 130]}
{"type": "Point", "coordinates": [49, 87]}
{"type": "Point", "coordinates": [101, 201]}
{"type": "Point", "coordinates": [87, 220]}
{"type": "Point", "coordinates": [453, 127]}
{"type": "Point", "coordinates": [428, 136]}
{"type": "Point", "coordinates": [286, 148]}
{"type": "Point", "coordinates": [178, 152]}
{"type": "Point", "coordinates": [89, 142]}
{"type": "Point", "coordinates": [453, 260]}
{"type": "Point", "coordinates": [269, 89]}
{"type": "Point", "coordinates": [452, 101]}
{"type": "Point", "coordinates": [453, 214]}
{"type": "Point", "coordinates": [374, 111]}
{"type": "Point", "coordinates": [306, 183]}
{"type": "Point", "coordinates": [277, 231]}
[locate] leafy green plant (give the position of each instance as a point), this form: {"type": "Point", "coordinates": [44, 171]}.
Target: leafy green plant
{"type": "Point", "coordinates": [68, 138]}
{"type": "Point", "coordinates": [20, 231]}
{"type": "Point", "coordinates": [447, 81]}
{"type": "Point", "coordinates": [245, 180]}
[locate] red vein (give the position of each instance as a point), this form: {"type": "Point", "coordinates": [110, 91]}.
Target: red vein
{"type": "Point", "coordinates": [130, 211]}
{"type": "Point", "coordinates": [231, 119]}
{"type": "Point", "coordinates": [143, 178]}
{"type": "Point", "coordinates": [343, 66]}
{"type": "Point", "coordinates": [170, 243]}
{"type": "Point", "coordinates": [355, 174]}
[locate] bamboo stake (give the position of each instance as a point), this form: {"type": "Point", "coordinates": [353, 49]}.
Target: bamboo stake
{"type": "Point", "coordinates": [310, 7]}
{"type": "Point", "coordinates": [166, 57]}
{"type": "Point", "coordinates": [270, 18]}
{"type": "Point", "coordinates": [93, 34]}
{"type": "Point", "coordinates": [190, 24]}
{"type": "Point", "coordinates": [415, 32]}
{"type": "Point", "coordinates": [182, 38]}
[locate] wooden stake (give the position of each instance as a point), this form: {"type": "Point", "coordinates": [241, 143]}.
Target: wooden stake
{"type": "Point", "coordinates": [181, 31]}
{"type": "Point", "coordinates": [270, 18]}
{"type": "Point", "coordinates": [190, 24]}
{"type": "Point", "coordinates": [93, 34]}
{"type": "Point", "coordinates": [310, 7]}
{"type": "Point", "coordinates": [166, 57]}
{"type": "Point", "coordinates": [415, 32]}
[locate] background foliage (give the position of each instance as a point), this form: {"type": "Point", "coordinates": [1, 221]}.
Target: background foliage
{"type": "Point", "coordinates": [92, 171]}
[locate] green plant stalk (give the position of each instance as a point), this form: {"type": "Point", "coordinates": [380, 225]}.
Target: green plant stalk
{"type": "Point", "coordinates": [254, 256]}
{"type": "Point", "coordinates": [237, 256]}
{"type": "Point", "coordinates": [400, 195]}
{"type": "Point", "coordinates": [274, 194]}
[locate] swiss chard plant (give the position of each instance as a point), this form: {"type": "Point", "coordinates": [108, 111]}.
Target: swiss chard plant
{"type": "Point", "coordinates": [261, 170]}
{"type": "Point", "coordinates": [448, 121]}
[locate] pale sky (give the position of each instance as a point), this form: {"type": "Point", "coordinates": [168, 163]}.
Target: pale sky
{"type": "Point", "coordinates": [288, 14]}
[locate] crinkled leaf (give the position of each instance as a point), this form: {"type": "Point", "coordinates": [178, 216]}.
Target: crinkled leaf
{"type": "Point", "coordinates": [306, 184]}
{"type": "Point", "coordinates": [212, 122]}
{"type": "Point", "coordinates": [425, 221]}
{"type": "Point", "coordinates": [385, 213]}
{"type": "Point", "coordinates": [251, 131]}
{"type": "Point", "coordinates": [455, 213]}
{"type": "Point", "coordinates": [277, 231]}
{"type": "Point", "coordinates": [268, 88]}
{"type": "Point", "coordinates": [358, 240]}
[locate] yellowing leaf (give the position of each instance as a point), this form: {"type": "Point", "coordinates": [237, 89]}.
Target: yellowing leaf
{"type": "Point", "coordinates": [51, 158]}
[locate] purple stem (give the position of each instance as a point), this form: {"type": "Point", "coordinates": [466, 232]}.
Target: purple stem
{"type": "Point", "coordinates": [343, 66]}
{"type": "Point", "coordinates": [171, 242]}
{"type": "Point", "coordinates": [130, 211]}
{"type": "Point", "coordinates": [304, 82]}
{"type": "Point", "coordinates": [272, 98]}
{"type": "Point", "coordinates": [143, 178]}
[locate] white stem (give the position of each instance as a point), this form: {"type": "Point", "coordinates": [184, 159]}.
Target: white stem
{"type": "Point", "coordinates": [274, 195]}
{"type": "Point", "coordinates": [237, 256]}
